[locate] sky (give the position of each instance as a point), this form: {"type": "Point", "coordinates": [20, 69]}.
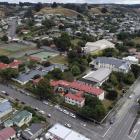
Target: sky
{"type": "Point", "coordinates": [77, 1]}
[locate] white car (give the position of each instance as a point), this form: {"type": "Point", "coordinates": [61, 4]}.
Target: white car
{"type": "Point", "coordinates": [68, 125]}
{"type": "Point", "coordinates": [42, 112]}
{"type": "Point", "coordinates": [49, 115]}
{"type": "Point", "coordinates": [3, 92]}
{"type": "Point", "coordinates": [45, 102]}
{"type": "Point", "coordinates": [131, 96]}
{"type": "Point", "coordinates": [60, 109]}
{"type": "Point", "coordinates": [66, 112]}
{"type": "Point", "coordinates": [72, 115]}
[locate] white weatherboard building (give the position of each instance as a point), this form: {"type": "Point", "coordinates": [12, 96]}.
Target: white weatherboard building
{"type": "Point", "coordinates": [131, 59]}
{"type": "Point", "coordinates": [60, 132]}
{"type": "Point", "coordinates": [98, 45]}
{"type": "Point", "coordinates": [111, 63]}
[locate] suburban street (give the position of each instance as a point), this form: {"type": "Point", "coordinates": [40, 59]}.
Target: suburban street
{"type": "Point", "coordinates": [117, 131]}
{"type": "Point", "coordinates": [12, 28]}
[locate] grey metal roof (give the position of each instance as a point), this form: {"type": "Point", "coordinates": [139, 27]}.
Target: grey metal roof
{"type": "Point", "coordinates": [5, 106]}
{"type": "Point", "coordinates": [32, 130]}
{"type": "Point", "coordinates": [27, 77]}
{"type": "Point", "coordinates": [98, 75]}
{"type": "Point", "coordinates": [118, 63]}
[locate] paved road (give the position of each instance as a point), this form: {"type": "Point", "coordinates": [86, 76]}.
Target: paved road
{"type": "Point", "coordinates": [118, 131]}
{"type": "Point", "coordinates": [12, 28]}
{"type": "Point", "coordinates": [125, 118]}
{"type": "Point", "coordinates": [57, 116]}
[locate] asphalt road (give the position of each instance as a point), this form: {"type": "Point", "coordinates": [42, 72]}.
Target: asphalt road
{"type": "Point", "coordinates": [117, 131]}
{"type": "Point", "coordinates": [56, 116]}
{"type": "Point", "coordinates": [125, 118]}
{"type": "Point", "coordinates": [12, 28]}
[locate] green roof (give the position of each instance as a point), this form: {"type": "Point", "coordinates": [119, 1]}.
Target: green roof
{"type": "Point", "coordinates": [18, 117]}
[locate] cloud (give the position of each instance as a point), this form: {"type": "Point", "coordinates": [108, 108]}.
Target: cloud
{"type": "Point", "coordinates": [78, 1]}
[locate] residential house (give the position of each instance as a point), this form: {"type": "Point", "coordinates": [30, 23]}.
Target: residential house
{"type": "Point", "coordinates": [5, 107]}
{"type": "Point", "coordinates": [7, 133]}
{"type": "Point", "coordinates": [21, 118]}
{"type": "Point", "coordinates": [33, 131]}
{"type": "Point", "coordinates": [111, 63]}
{"type": "Point", "coordinates": [131, 59]}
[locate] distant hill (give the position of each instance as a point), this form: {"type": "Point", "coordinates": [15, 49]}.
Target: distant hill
{"type": "Point", "coordinates": [59, 10]}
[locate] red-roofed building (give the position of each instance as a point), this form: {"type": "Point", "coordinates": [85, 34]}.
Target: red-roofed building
{"type": "Point", "coordinates": [75, 99]}
{"type": "Point", "coordinates": [79, 86]}
{"type": "Point", "coordinates": [15, 64]}
{"type": "Point", "coordinates": [7, 133]}
{"type": "Point", "coordinates": [3, 66]}
{"type": "Point", "coordinates": [36, 81]}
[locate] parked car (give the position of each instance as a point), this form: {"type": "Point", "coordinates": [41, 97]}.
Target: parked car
{"type": "Point", "coordinates": [49, 115]}
{"type": "Point", "coordinates": [66, 112]}
{"type": "Point", "coordinates": [72, 115]}
{"type": "Point", "coordinates": [68, 125]}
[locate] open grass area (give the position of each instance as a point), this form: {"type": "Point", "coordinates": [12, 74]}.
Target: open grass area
{"type": "Point", "coordinates": [137, 40]}
{"type": "Point", "coordinates": [14, 47]}
{"type": "Point", "coordinates": [44, 55]}
{"type": "Point", "coordinates": [59, 59]}
{"type": "Point", "coordinates": [107, 103]}
{"type": "Point", "coordinates": [4, 52]}
{"type": "Point", "coordinates": [96, 53]}
{"type": "Point", "coordinates": [59, 10]}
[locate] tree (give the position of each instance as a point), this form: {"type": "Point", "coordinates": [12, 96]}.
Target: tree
{"type": "Point", "coordinates": [113, 79]}
{"type": "Point", "coordinates": [136, 70]}
{"type": "Point", "coordinates": [43, 89]}
{"type": "Point", "coordinates": [56, 74]}
{"type": "Point", "coordinates": [48, 23]}
{"type": "Point", "coordinates": [129, 78]}
{"type": "Point", "coordinates": [38, 7]}
{"type": "Point", "coordinates": [54, 5]}
{"type": "Point", "coordinates": [110, 52]}
{"type": "Point", "coordinates": [63, 43]}
{"type": "Point", "coordinates": [104, 10]}
{"type": "Point", "coordinates": [93, 108]}
{"type": "Point", "coordinates": [112, 94]}
{"type": "Point", "coordinates": [4, 38]}
{"type": "Point", "coordinates": [28, 13]}
{"type": "Point", "coordinates": [75, 70]}
{"type": "Point", "coordinates": [8, 73]}
{"type": "Point", "coordinates": [4, 59]}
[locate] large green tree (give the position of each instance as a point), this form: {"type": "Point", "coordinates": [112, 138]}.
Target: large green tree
{"type": "Point", "coordinates": [43, 89]}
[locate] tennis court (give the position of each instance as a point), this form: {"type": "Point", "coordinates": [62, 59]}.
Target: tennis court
{"type": "Point", "coordinates": [44, 55]}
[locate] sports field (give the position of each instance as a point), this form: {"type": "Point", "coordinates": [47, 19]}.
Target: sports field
{"type": "Point", "coordinates": [44, 55]}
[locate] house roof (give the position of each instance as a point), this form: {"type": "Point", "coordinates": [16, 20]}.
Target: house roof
{"type": "Point", "coordinates": [4, 106]}
{"type": "Point", "coordinates": [113, 61]}
{"type": "Point", "coordinates": [17, 118]}
{"type": "Point", "coordinates": [15, 63]}
{"type": "Point", "coordinates": [74, 97]}
{"type": "Point", "coordinates": [3, 66]}
{"type": "Point", "coordinates": [98, 75]}
{"type": "Point", "coordinates": [79, 86]}
{"type": "Point", "coordinates": [6, 133]}
{"type": "Point", "coordinates": [33, 129]}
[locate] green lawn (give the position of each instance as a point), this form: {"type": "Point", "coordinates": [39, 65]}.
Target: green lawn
{"type": "Point", "coordinates": [59, 59]}
{"type": "Point", "coordinates": [137, 40]}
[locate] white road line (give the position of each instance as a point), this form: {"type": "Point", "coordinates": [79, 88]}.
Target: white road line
{"type": "Point", "coordinates": [106, 132]}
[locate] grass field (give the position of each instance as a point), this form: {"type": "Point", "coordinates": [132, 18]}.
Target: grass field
{"type": "Point", "coordinates": [59, 59]}
{"type": "Point", "coordinates": [107, 103]}
{"type": "Point", "coordinates": [14, 47]}
{"type": "Point", "coordinates": [59, 10]}
{"type": "Point", "coordinates": [75, 41]}
{"type": "Point", "coordinates": [45, 55]}
{"type": "Point", "coordinates": [137, 40]}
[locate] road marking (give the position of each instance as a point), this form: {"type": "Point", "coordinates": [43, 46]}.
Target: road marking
{"type": "Point", "coordinates": [106, 132]}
